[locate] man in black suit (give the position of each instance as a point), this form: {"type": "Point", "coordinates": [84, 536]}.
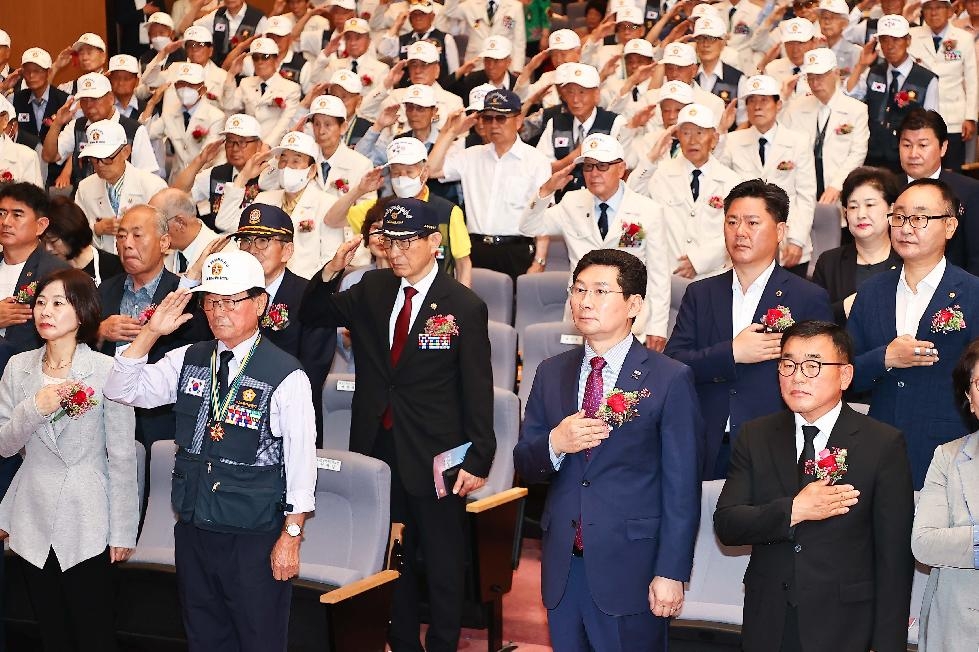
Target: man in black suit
{"type": "Point", "coordinates": [497, 58]}
{"type": "Point", "coordinates": [424, 386]}
{"type": "Point", "coordinates": [831, 556]}
{"type": "Point", "coordinates": [922, 142]}
{"type": "Point", "coordinates": [23, 218]}
{"type": "Point", "coordinates": [128, 299]}
{"type": "Point", "coordinates": [38, 100]}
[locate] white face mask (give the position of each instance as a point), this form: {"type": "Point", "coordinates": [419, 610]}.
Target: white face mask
{"type": "Point", "coordinates": [159, 42]}
{"type": "Point", "coordinates": [405, 187]}
{"type": "Point", "coordinates": [293, 180]}
{"type": "Point", "coordinates": [188, 96]}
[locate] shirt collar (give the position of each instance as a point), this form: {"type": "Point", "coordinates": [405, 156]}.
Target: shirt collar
{"type": "Point", "coordinates": [904, 69]}
{"type": "Point", "coordinates": [150, 287]}
{"type": "Point", "coordinates": [931, 279]}
{"type": "Point", "coordinates": [825, 423]}
{"type": "Point", "coordinates": [614, 357]}
{"type": "Point", "coordinates": [770, 134]}
{"type": "Point", "coordinates": [241, 350]}
{"type": "Point", "coordinates": [759, 282]}
{"type": "Point", "coordinates": [612, 202]}
{"type": "Point", "coordinates": [44, 96]}
{"type": "Point", "coordinates": [274, 286]}
{"type": "Point", "coordinates": [587, 123]}
{"type": "Point", "coordinates": [424, 284]}
{"type": "Point", "coordinates": [704, 169]}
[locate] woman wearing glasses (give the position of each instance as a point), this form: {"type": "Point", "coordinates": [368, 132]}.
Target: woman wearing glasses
{"type": "Point", "coordinates": [868, 194]}
{"type": "Point", "coordinates": [946, 528]}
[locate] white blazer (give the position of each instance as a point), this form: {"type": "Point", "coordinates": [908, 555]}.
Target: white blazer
{"type": "Point", "coordinates": [346, 169]}
{"type": "Point", "coordinates": [93, 198]}
{"type": "Point", "coordinates": [20, 161]}
{"type": "Point", "coordinates": [470, 17]}
{"type": "Point", "coordinates": [206, 117]}
{"type": "Point", "coordinates": [842, 152]}
{"type": "Point", "coordinates": [955, 65]}
{"type": "Point", "coordinates": [369, 69]}
{"type": "Point", "coordinates": [798, 179]}
{"type": "Point", "coordinates": [574, 218]}
{"type": "Point", "coordinates": [274, 120]}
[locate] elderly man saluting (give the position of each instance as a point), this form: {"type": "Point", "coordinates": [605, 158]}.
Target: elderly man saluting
{"type": "Point", "coordinates": [244, 420]}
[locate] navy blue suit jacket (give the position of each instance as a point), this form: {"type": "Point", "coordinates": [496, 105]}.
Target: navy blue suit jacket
{"type": "Point", "coordinates": [702, 339]}
{"type": "Point", "coordinates": [638, 497]}
{"type": "Point", "coordinates": [919, 401]}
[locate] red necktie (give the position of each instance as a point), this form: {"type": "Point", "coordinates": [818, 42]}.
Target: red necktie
{"type": "Point", "coordinates": [398, 344]}
{"type": "Point", "coordinates": [591, 402]}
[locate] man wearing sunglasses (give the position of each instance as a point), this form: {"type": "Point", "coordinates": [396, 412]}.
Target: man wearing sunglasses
{"type": "Point", "coordinates": [909, 326]}
{"type": "Point", "coordinates": [267, 95]}
{"type": "Point", "coordinates": [801, 524]}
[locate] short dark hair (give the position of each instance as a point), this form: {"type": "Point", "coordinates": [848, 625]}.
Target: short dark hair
{"type": "Point", "coordinates": [776, 201]}
{"type": "Point", "coordinates": [962, 379]}
{"type": "Point", "coordinates": [67, 221]}
{"type": "Point", "coordinates": [920, 118]}
{"type": "Point", "coordinates": [948, 195]}
{"type": "Point", "coordinates": [83, 296]}
{"type": "Point", "coordinates": [813, 328]}
{"type": "Point", "coordinates": [881, 179]}
{"type": "Point", "coordinates": [632, 271]}
{"type": "Point", "coordinates": [27, 193]}
{"type": "Point", "coordinates": [601, 6]}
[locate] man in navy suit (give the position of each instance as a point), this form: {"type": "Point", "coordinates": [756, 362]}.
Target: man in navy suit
{"type": "Point", "coordinates": [910, 326]}
{"type": "Point", "coordinates": [623, 505]}
{"type": "Point", "coordinates": [720, 329]}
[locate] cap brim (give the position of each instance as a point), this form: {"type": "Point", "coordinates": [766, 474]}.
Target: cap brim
{"type": "Point", "coordinates": [403, 235]}
{"type": "Point", "coordinates": [98, 150]}
{"type": "Point", "coordinates": [581, 159]}
{"type": "Point", "coordinates": [223, 288]}
{"type": "Point", "coordinates": [262, 230]}
{"type": "Point", "coordinates": [816, 70]}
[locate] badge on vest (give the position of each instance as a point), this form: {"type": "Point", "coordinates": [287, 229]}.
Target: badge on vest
{"type": "Point", "coordinates": [219, 188]}
{"type": "Point", "coordinates": [220, 27]}
{"type": "Point", "coordinates": [562, 141]}
{"type": "Point", "coordinates": [194, 387]}
{"type": "Point", "coordinates": [247, 396]}
{"type": "Point", "coordinates": [244, 417]}
{"type": "Point", "coordinates": [23, 117]}
{"type": "Point", "coordinates": [878, 87]}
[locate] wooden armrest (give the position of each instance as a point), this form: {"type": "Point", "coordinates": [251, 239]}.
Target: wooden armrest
{"type": "Point", "coordinates": [496, 500]}
{"type": "Point", "coordinates": [971, 166]}
{"type": "Point", "coordinates": [397, 535]}
{"type": "Point", "coordinates": [358, 587]}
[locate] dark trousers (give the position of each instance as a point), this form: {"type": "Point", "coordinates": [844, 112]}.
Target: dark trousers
{"type": "Point", "coordinates": [8, 469]}
{"type": "Point", "coordinates": [229, 599]}
{"type": "Point", "coordinates": [435, 530]}
{"type": "Point", "coordinates": [510, 258]}
{"type": "Point", "coordinates": [74, 607]}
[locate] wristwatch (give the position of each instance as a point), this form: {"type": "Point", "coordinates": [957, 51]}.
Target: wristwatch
{"type": "Point", "coordinates": [294, 530]}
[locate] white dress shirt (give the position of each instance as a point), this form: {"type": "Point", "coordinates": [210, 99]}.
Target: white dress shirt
{"type": "Point", "coordinates": [910, 306]}
{"type": "Point", "coordinates": [825, 423]}
{"type": "Point", "coordinates": [744, 305]}
{"type": "Point", "coordinates": [423, 286]}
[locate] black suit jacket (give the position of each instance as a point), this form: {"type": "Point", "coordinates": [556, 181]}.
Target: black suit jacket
{"type": "Point", "coordinates": [30, 133]}
{"type": "Point", "coordinates": [463, 86]}
{"type": "Point", "coordinates": [439, 398]}
{"type": "Point", "coordinates": [850, 575]}
{"type": "Point", "coordinates": [836, 272]}
{"type": "Point", "coordinates": [24, 337]}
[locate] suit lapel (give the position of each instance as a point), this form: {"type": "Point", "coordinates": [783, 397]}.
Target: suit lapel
{"type": "Point", "coordinates": [846, 426]}
{"type": "Point", "coordinates": [969, 472]}
{"type": "Point", "coordinates": [720, 307]}
{"type": "Point", "coordinates": [783, 451]}
{"type": "Point", "coordinates": [435, 295]}
{"type": "Point", "coordinates": [774, 294]}
{"type": "Point", "coordinates": [168, 283]}
{"type": "Point", "coordinates": [632, 377]}
{"type": "Point", "coordinates": [946, 295]}
{"type": "Point", "coordinates": [29, 273]}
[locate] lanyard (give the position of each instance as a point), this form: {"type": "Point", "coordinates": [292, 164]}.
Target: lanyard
{"type": "Point", "coordinates": [220, 408]}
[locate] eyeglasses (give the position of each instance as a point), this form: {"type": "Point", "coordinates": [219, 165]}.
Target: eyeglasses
{"type": "Point", "coordinates": [375, 234]}
{"type": "Point", "coordinates": [385, 242]}
{"type": "Point", "coordinates": [107, 160]}
{"type": "Point", "coordinates": [258, 242]}
{"type": "Point", "coordinates": [227, 305]}
{"type": "Point", "coordinates": [262, 57]}
{"type": "Point", "coordinates": [807, 4]}
{"type": "Point", "coordinates": [600, 294]}
{"type": "Point", "coordinates": [897, 220]}
{"type": "Point", "coordinates": [233, 143]}
{"type": "Point", "coordinates": [601, 167]}
{"type": "Point", "coordinates": [627, 27]}
{"type": "Point", "coordinates": [810, 368]}
{"type": "Point", "coordinates": [498, 118]}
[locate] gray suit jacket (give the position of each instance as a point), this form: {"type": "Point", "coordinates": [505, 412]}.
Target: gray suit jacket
{"type": "Point", "coordinates": [76, 490]}
{"type": "Point", "coordinates": [942, 538]}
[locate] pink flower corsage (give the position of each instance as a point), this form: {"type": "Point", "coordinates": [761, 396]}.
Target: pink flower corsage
{"type": "Point", "coordinates": [948, 320]}
{"type": "Point", "coordinates": [277, 318]}
{"type": "Point", "coordinates": [829, 463]}
{"type": "Point", "coordinates": [147, 314]}
{"type": "Point", "coordinates": [844, 129]}
{"type": "Point", "coordinates": [305, 226]}
{"type": "Point", "coordinates": [786, 165]}
{"type": "Point", "coordinates": [76, 399]}
{"type": "Point", "coordinates": [619, 407]}
{"type": "Point", "coordinates": [715, 202]}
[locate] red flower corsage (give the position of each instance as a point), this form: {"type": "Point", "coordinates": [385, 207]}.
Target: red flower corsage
{"type": "Point", "coordinates": [6, 176]}
{"type": "Point", "coordinates": [619, 407]}
{"type": "Point", "coordinates": [903, 98]}
{"type": "Point", "coordinates": [305, 226]}
{"type": "Point", "coordinates": [277, 318]}
{"type": "Point", "coordinates": [777, 319]}
{"type": "Point", "coordinates": [632, 235]}
{"type": "Point", "coordinates": [785, 166]}
{"type": "Point", "coordinates": [26, 294]}
{"type": "Point", "coordinates": [147, 314]}
{"type": "Point", "coordinates": [366, 80]}
{"type": "Point", "coordinates": [343, 185]}
{"type": "Point", "coordinates": [76, 400]}
{"type": "Point", "coordinates": [715, 202]}
{"type": "Point", "coordinates": [279, 102]}
{"type": "Point", "coordinates": [211, 96]}
{"type": "Point", "coordinates": [829, 463]}
{"type": "Point", "coordinates": [948, 320]}
{"type": "Point", "coordinates": [199, 133]}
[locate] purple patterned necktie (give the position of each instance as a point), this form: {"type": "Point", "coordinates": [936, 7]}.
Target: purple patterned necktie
{"type": "Point", "coordinates": [594, 393]}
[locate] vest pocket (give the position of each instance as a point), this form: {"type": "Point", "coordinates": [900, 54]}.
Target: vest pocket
{"type": "Point", "coordinates": [186, 468]}
{"type": "Point", "coordinates": [241, 497]}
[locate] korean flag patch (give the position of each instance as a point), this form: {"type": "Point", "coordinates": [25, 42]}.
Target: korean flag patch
{"type": "Point", "coordinates": [194, 387]}
{"type": "Point", "coordinates": [562, 141]}
{"type": "Point", "coordinates": [878, 87]}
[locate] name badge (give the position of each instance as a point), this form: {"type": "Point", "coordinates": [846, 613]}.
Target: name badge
{"type": "Point", "coordinates": [23, 117]}
{"type": "Point", "coordinates": [346, 385]}
{"type": "Point", "coordinates": [219, 189]}
{"type": "Point", "coordinates": [220, 27]}
{"type": "Point", "coordinates": [878, 87]}
{"type": "Point", "coordinates": [328, 463]}
{"type": "Point", "coordinates": [568, 338]}
{"type": "Point", "coordinates": [194, 387]}
{"type": "Point", "coordinates": [562, 141]}
{"type": "Point", "coordinates": [440, 254]}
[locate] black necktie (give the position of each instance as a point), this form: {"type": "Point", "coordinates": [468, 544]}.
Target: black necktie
{"type": "Point", "coordinates": [808, 453]}
{"type": "Point", "coordinates": [894, 87]}
{"type": "Point", "coordinates": [325, 166]}
{"type": "Point", "coordinates": [603, 219]}
{"type": "Point", "coordinates": [491, 9]}
{"type": "Point", "coordinates": [353, 65]}
{"type": "Point", "coordinates": [817, 151]}
{"type": "Point", "coordinates": [181, 262]}
{"type": "Point", "coordinates": [730, 12]}
{"type": "Point", "coordinates": [796, 70]}
{"type": "Point", "coordinates": [186, 119]}
{"type": "Point", "coordinates": [675, 147]}
{"type": "Point", "coordinates": [226, 357]}
{"type": "Point", "coordinates": [937, 40]}
{"type": "Point", "coordinates": [695, 185]}
{"type": "Point", "coordinates": [263, 86]}
{"type": "Point", "coordinates": [635, 93]}
{"type": "Point", "coordinates": [761, 150]}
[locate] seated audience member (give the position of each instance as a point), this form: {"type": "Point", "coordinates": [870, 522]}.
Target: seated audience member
{"type": "Point", "coordinates": [868, 195]}
{"type": "Point", "coordinates": [69, 237]}
{"type": "Point", "coordinates": [36, 103]}
{"type": "Point", "coordinates": [17, 162]}
{"type": "Point", "coordinates": [190, 239]}
{"type": "Point", "coordinates": [89, 54]}
{"type": "Point", "coordinates": [266, 95]}
{"type": "Point", "coordinates": [340, 166]}
{"type": "Point", "coordinates": [198, 46]}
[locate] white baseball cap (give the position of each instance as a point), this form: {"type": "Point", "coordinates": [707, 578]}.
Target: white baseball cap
{"type": "Point", "coordinates": [4, 38]}
{"type": "Point", "coordinates": [36, 56]}
{"type": "Point", "coordinates": [702, 10]}
{"type": "Point", "coordinates": [104, 138]}
{"type": "Point", "coordinates": [297, 141]}
{"type": "Point", "coordinates": [8, 108]}
{"type": "Point", "coordinates": [357, 26]}
{"type": "Point", "coordinates": [88, 38]}
{"type": "Point", "coordinates": [278, 25]}
{"type": "Point", "coordinates": [680, 54]}
{"type": "Point", "coordinates": [497, 47]}
{"type": "Point", "coordinates": [762, 85]}
{"type": "Point", "coordinates": [244, 125]}
{"type": "Point", "coordinates": [231, 271]}
{"type": "Point", "coordinates": [639, 46]}
{"type": "Point", "coordinates": [125, 63]}
{"type": "Point", "coordinates": [799, 30]}
{"type": "Point", "coordinates": [818, 60]}
{"type": "Point", "coordinates": [161, 18]}
{"type": "Point", "coordinates": [578, 73]}
{"type": "Point", "coordinates": [93, 85]}
{"type": "Point", "coordinates": [600, 147]}
{"type": "Point", "coordinates": [423, 51]}
{"type": "Point", "coordinates": [263, 45]}
{"type": "Point", "coordinates": [347, 80]}
{"type": "Point", "coordinates": [198, 34]}
{"type": "Point", "coordinates": [345, 4]}
{"type": "Point", "coordinates": [893, 25]}
{"type": "Point", "coordinates": [697, 114]}
{"type": "Point", "coordinates": [189, 72]}
{"type": "Point", "coordinates": [676, 90]}
{"type": "Point", "coordinates": [835, 7]}
{"type": "Point", "coordinates": [709, 26]}
{"type": "Point", "coordinates": [424, 6]}
{"type": "Point", "coordinates": [476, 96]}
{"type": "Point", "coordinates": [564, 39]}
{"type": "Point", "coordinates": [419, 95]}
{"type": "Point", "coordinates": [406, 151]}
{"type": "Point", "coordinates": [629, 14]}
{"type": "Point", "coordinates": [330, 105]}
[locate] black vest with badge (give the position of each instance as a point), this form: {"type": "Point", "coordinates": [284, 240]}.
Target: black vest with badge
{"type": "Point", "coordinates": [885, 117]}
{"type": "Point", "coordinates": [222, 27]}
{"type": "Point", "coordinates": [562, 139]}
{"type": "Point", "coordinates": [290, 69]}
{"type": "Point", "coordinates": [221, 175]}
{"type": "Point", "coordinates": [726, 86]}
{"type": "Point", "coordinates": [235, 482]}
{"type": "Point", "coordinates": [436, 37]}
{"type": "Point", "coordinates": [83, 167]}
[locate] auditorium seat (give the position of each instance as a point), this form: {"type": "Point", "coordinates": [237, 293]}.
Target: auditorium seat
{"type": "Point", "coordinates": [338, 393]}
{"type": "Point", "coordinates": [540, 298]}
{"type": "Point", "coordinates": [678, 287]}
{"type": "Point", "coordinates": [541, 341]}
{"type": "Point", "coordinates": [503, 355]}
{"type": "Point", "coordinates": [496, 289]}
